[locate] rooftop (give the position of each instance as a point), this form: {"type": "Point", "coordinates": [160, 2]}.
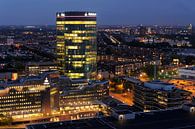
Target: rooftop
{"type": "Point", "coordinates": [131, 79]}
{"type": "Point", "coordinates": [190, 68]}
{"type": "Point", "coordinates": [159, 85]}
{"type": "Point", "coordinates": [28, 79]}
{"type": "Point", "coordinates": [78, 124]}
{"type": "Point", "coordinates": [172, 119]}
{"type": "Point", "coordinates": [117, 106]}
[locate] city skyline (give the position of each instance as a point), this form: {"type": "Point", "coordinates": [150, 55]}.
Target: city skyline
{"type": "Point", "coordinates": [175, 12]}
{"type": "Point", "coordinates": [104, 64]}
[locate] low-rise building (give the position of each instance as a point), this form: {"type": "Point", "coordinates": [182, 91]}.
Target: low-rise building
{"type": "Point", "coordinates": [187, 73]}
{"type": "Point", "coordinates": [34, 69]}
{"type": "Point", "coordinates": [25, 98]}
{"type": "Point", "coordinates": [157, 95]}
{"type": "Point", "coordinates": [118, 110]}
{"type": "Point", "coordinates": [52, 94]}
{"type": "Point", "coordinates": [83, 101]}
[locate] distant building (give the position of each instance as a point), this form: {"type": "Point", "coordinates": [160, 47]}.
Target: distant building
{"type": "Point", "coordinates": [76, 44]}
{"type": "Point", "coordinates": [10, 40]}
{"type": "Point", "coordinates": [158, 95]}
{"type": "Point", "coordinates": [34, 69]}
{"type": "Point", "coordinates": [142, 30]}
{"type": "Point", "coordinates": [190, 28]}
{"type": "Point", "coordinates": [187, 52]}
{"type": "Point", "coordinates": [187, 73]}
{"type": "Point", "coordinates": [176, 61]}
{"type": "Point", "coordinates": [8, 76]}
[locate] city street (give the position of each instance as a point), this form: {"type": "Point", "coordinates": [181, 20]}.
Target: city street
{"type": "Point", "coordinates": [126, 98]}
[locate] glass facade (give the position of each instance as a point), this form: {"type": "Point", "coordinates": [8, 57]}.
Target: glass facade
{"type": "Point", "coordinates": [76, 46]}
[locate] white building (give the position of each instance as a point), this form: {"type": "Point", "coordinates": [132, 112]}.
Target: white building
{"type": "Point", "coordinates": [187, 73]}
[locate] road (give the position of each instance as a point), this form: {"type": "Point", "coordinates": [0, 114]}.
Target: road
{"type": "Point", "coordinates": [126, 98]}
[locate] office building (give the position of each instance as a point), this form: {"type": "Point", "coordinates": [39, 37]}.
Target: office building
{"type": "Point", "coordinates": [76, 44]}
{"type": "Point", "coordinates": [26, 97]}
{"type": "Point", "coordinates": [49, 94]}
{"type": "Point", "coordinates": [85, 101]}
{"type": "Point", "coordinates": [158, 95]}
{"type": "Point", "coordinates": [34, 69]}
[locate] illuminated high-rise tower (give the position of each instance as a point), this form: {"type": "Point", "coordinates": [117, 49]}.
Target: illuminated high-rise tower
{"type": "Point", "coordinates": [76, 44]}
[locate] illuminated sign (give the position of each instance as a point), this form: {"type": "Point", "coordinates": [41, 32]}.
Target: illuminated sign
{"type": "Point", "coordinates": [90, 14]}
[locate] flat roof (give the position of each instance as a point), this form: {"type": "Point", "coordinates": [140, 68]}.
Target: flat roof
{"type": "Point", "coordinates": [190, 68]}
{"type": "Point", "coordinates": [77, 124]}
{"type": "Point", "coordinates": [117, 106]}
{"type": "Point", "coordinates": [172, 119]}
{"type": "Point", "coordinates": [131, 79]}
{"type": "Point", "coordinates": [159, 85]}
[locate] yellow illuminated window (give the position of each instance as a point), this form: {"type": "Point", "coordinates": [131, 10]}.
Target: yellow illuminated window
{"type": "Point", "coordinates": [72, 47]}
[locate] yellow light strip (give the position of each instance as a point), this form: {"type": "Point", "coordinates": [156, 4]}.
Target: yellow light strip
{"type": "Point", "coordinates": [82, 32]}
{"type": "Point", "coordinates": [78, 56]}
{"type": "Point", "coordinates": [76, 22]}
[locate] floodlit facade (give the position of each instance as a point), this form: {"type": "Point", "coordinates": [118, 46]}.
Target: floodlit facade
{"type": "Point", "coordinates": [83, 102]}
{"type": "Point", "coordinates": [25, 98]}
{"type": "Point", "coordinates": [51, 94]}
{"type": "Point", "coordinates": [76, 46]}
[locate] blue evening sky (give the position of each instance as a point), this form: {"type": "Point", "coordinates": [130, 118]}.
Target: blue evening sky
{"type": "Point", "coordinates": [129, 12]}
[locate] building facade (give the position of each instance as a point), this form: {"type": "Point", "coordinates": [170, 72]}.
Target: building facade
{"type": "Point", "coordinates": [25, 98]}
{"type": "Point", "coordinates": [158, 95]}
{"type": "Point", "coordinates": [36, 97]}
{"type": "Point", "coordinates": [34, 69]}
{"type": "Point", "coordinates": [85, 101]}
{"type": "Point", "coordinates": [76, 44]}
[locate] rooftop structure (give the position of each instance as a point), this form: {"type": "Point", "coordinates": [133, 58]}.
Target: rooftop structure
{"type": "Point", "coordinates": [159, 85]}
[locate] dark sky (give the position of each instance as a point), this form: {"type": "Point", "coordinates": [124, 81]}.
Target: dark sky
{"type": "Point", "coordinates": [131, 12]}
